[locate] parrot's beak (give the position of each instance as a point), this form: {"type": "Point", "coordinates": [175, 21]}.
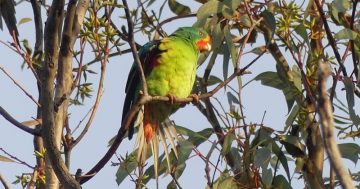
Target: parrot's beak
{"type": "Point", "coordinates": [204, 44]}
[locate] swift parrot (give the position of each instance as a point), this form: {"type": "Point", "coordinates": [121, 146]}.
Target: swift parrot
{"type": "Point", "coordinates": [169, 66]}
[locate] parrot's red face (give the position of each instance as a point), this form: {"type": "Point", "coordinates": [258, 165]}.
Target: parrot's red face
{"type": "Point", "coordinates": [204, 44]}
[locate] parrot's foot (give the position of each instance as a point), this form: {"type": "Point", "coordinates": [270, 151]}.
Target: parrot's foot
{"type": "Point", "coordinates": [172, 98]}
{"type": "Point", "coordinates": [195, 98]}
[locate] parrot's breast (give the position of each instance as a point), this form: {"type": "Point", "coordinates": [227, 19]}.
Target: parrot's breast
{"type": "Point", "coordinates": [174, 72]}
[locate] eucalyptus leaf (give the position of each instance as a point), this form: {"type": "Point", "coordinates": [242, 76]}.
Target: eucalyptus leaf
{"type": "Point", "coordinates": [349, 88]}
{"type": "Point", "coordinates": [178, 8]}
{"type": "Point", "coordinates": [24, 20]}
{"type": "Point", "coordinates": [230, 44]}
{"type": "Point", "coordinates": [281, 182]}
{"type": "Point", "coordinates": [272, 79]}
{"type": "Point", "coordinates": [229, 138]}
{"type": "Point", "coordinates": [292, 145]}
{"type": "Point", "coordinates": [346, 33]}
{"type": "Point", "coordinates": [124, 170]}
{"type": "Point", "coordinates": [350, 151]}
{"type": "Point", "coordinates": [262, 157]}
{"type": "Point", "coordinates": [5, 159]}
{"type": "Point", "coordinates": [213, 80]}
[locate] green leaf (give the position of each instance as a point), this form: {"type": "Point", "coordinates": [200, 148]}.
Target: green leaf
{"type": "Point", "coordinates": [258, 50]}
{"type": "Point", "coordinates": [225, 181]}
{"type": "Point", "coordinates": [230, 44]}
{"type": "Point", "coordinates": [299, 164]}
{"type": "Point", "coordinates": [226, 61]}
{"type": "Point", "coordinates": [341, 5]}
{"type": "Point", "coordinates": [217, 37]}
{"type": "Point", "coordinates": [270, 21]}
{"type": "Point", "coordinates": [349, 88]}
{"type": "Point", "coordinates": [228, 183]}
{"type": "Point", "coordinates": [178, 8]}
{"type": "Point", "coordinates": [302, 32]}
{"type": "Point", "coordinates": [232, 5]}
{"type": "Point", "coordinates": [262, 157]}
{"type": "Point", "coordinates": [24, 20]}
{"type": "Point", "coordinates": [272, 79]}
{"type": "Point", "coordinates": [350, 151]}
{"type": "Point", "coordinates": [206, 10]}
{"type": "Point", "coordinates": [281, 182]}
{"type": "Point", "coordinates": [267, 177]}
{"type": "Point", "coordinates": [229, 138]}
{"type": "Point", "coordinates": [171, 185]}
{"type": "Point", "coordinates": [297, 77]}
{"type": "Point", "coordinates": [346, 33]}
{"type": "Point", "coordinates": [196, 138]}
{"type": "Point", "coordinates": [280, 155]}
{"type": "Point", "coordinates": [291, 118]}
{"type": "Point", "coordinates": [213, 80]}
{"type": "Point", "coordinates": [232, 99]}
{"type": "Point", "coordinates": [292, 145]}
{"type": "Point", "coordinates": [262, 138]}
{"type": "Point", "coordinates": [185, 148]}
{"type": "Point", "coordinates": [6, 159]}
{"type": "Point", "coordinates": [125, 168]}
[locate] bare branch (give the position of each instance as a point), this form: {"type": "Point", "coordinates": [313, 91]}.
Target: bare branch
{"type": "Point", "coordinates": [8, 117]}
{"type": "Point", "coordinates": [18, 84]}
{"type": "Point", "coordinates": [327, 123]}
{"type": "Point", "coordinates": [16, 159]}
{"type": "Point", "coordinates": [4, 183]}
{"type": "Point", "coordinates": [133, 46]}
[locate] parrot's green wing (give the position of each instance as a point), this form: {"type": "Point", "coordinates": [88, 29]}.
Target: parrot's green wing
{"type": "Point", "coordinates": [147, 54]}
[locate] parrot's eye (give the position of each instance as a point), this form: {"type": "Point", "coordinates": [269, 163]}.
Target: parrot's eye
{"type": "Point", "coordinates": [201, 34]}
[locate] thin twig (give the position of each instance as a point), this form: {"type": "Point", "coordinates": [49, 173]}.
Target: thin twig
{"type": "Point", "coordinates": [18, 84]}
{"type": "Point", "coordinates": [19, 125]}
{"type": "Point", "coordinates": [16, 159]}
{"type": "Point", "coordinates": [246, 40]}
{"type": "Point", "coordinates": [330, 37]}
{"type": "Point", "coordinates": [133, 46]}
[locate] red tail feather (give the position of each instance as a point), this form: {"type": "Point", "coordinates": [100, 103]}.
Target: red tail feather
{"type": "Point", "coordinates": [149, 125]}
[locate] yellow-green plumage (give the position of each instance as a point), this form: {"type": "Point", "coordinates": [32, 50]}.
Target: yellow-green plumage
{"type": "Point", "coordinates": [170, 69]}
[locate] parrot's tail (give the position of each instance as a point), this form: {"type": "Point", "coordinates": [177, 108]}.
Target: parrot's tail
{"type": "Point", "coordinates": [150, 134]}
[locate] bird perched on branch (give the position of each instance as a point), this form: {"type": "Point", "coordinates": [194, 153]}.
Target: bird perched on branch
{"type": "Point", "coordinates": [169, 66]}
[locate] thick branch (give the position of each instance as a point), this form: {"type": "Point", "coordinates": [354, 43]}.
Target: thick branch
{"type": "Point", "coordinates": [327, 123]}
{"type": "Point", "coordinates": [4, 183]}
{"type": "Point", "coordinates": [52, 29]}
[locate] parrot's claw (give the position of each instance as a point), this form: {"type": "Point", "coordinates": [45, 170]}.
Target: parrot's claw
{"type": "Point", "coordinates": [172, 98]}
{"type": "Point", "coordinates": [195, 98]}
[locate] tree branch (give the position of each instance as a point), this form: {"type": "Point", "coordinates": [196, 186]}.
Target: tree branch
{"type": "Point", "coordinates": [133, 46]}
{"type": "Point", "coordinates": [18, 84]}
{"type": "Point", "coordinates": [4, 183]}
{"type": "Point", "coordinates": [52, 31]}
{"type": "Point", "coordinates": [330, 37]}
{"type": "Point", "coordinates": [136, 107]}
{"type": "Point", "coordinates": [327, 123]}
{"type": "Point", "coordinates": [8, 117]}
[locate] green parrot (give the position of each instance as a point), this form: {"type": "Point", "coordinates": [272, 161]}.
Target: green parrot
{"type": "Point", "coordinates": [170, 69]}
